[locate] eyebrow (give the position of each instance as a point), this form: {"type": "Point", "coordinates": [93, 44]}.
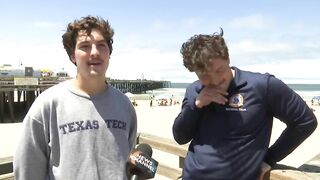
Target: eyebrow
{"type": "Point", "coordinates": [86, 41]}
{"type": "Point", "coordinates": [103, 40]}
{"type": "Point", "coordinates": [218, 68]}
{"type": "Point", "coordinates": [82, 42]}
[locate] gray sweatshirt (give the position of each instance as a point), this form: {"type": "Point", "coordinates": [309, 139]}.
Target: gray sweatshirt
{"type": "Point", "coordinates": [72, 136]}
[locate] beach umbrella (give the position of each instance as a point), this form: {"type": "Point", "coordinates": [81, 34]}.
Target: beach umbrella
{"type": "Point", "coordinates": [162, 96]}
{"type": "Point", "coordinates": [129, 94]}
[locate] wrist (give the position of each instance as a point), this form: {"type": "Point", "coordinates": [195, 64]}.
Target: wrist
{"type": "Point", "coordinates": [197, 104]}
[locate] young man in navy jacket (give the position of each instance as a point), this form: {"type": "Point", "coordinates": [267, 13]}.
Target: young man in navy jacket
{"type": "Point", "coordinates": [227, 115]}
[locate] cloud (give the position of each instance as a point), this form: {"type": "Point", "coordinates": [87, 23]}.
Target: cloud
{"type": "Point", "coordinates": [188, 23]}
{"type": "Point", "coordinates": [51, 56]}
{"type": "Point", "coordinates": [191, 22]}
{"type": "Point", "coordinates": [45, 24]}
{"type": "Point", "coordinates": [276, 50]}
{"type": "Point", "coordinates": [149, 63]}
{"type": "Point", "coordinates": [256, 21]}
{"type": "Point", "coordinates": [250, 46]}
{"type": "Point", "coordinates": [293, 71]}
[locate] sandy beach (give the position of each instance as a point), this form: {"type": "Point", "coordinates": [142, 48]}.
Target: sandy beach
{"type": "Point", "coordinates": [158, 120]}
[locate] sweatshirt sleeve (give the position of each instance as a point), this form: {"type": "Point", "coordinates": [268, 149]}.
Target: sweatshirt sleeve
{"type": "Point", "coordinates": [133, 128]}
{"type": "Point", "coordinates": [30, 160]}
{"type": "Point", "coordinates": [186, 123]}
{"type": "Point", "coordinates": [291, 109]}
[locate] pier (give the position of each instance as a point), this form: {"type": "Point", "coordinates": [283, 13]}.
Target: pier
{"type": "Point", "coordinates": [18, 94]}
{"type": "Point", "coordinates": [138, 86]}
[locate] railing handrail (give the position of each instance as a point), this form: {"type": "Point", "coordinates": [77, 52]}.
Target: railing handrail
{"type": "Point", "coordinates": [6, 168]}
{"type": "Point", "coordinates": [170, 146]}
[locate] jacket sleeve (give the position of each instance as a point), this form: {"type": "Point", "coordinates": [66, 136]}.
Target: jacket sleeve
{"type": "Point", "coordinates": [30, 160]}
{"type": "Point", "coordinates": [186, 123]}
{"type": "Point", "coordinates": [290, 108]}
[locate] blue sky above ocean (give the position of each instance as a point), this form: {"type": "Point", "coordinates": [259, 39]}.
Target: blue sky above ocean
{"type": "Point", "coordinates": [279, 37]}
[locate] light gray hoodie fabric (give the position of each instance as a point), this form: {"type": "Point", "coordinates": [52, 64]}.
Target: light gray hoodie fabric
{"type": "Point", "coordinates": [68, 135]}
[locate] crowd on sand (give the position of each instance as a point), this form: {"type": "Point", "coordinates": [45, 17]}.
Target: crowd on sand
{"type": "Point", "coordinates": [159, 102]}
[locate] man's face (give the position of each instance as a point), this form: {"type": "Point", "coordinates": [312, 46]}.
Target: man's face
{"type": "Point", "coordinates": [218, 74]}
{"type": "Point", "coordinates": [91, 55]}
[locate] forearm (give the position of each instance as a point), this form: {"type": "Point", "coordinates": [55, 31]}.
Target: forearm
{"type": "Point", "coordinates": [30, 160]}
{"type": "Point", "coordinates": [186, 124]}
{"type": "Point", "coordinates": [289, 140]}
{"type": "Point", "coordinates": [290, 108]}
{"type": "Point", "coordinates": [27, 167]}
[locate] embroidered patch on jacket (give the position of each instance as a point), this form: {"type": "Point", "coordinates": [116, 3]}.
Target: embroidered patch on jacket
{"type": "Point", "coordinates": [236, 101]}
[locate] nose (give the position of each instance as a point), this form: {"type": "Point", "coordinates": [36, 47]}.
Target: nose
{"type": "Point", "coordinates": [94, 51]}
{"type": "Point", "coordinates": [207, 80]}
{"type": "Point", "coordinates": [204, 80]}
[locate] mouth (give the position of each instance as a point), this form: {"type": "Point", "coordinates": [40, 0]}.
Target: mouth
{"type": "Point", "coordinates": [94, 63]}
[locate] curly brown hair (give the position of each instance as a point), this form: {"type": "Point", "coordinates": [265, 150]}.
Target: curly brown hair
{"type": "Point", "coordinates": [200, 49]}
{"type": "Point", "coordinates": [69, 38]}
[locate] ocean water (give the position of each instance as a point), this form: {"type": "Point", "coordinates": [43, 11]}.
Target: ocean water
{"type": "Point", "coordinates": [306, 91]}
{"type": "Point", "coordinates": [175, 93]}
{"type": "Point", "coordinates": [177, 90]}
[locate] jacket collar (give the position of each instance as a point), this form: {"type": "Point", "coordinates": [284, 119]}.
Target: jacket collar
{"type": "Point", "coordinates": [238, 81]}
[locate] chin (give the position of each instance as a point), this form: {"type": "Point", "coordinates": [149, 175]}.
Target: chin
{"type": "Point", "coordinates": [96, 74]}
{"type": "Point", "coordinates": [226, 87]}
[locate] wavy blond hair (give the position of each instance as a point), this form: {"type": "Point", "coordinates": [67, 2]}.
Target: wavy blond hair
{"type": "Point", "coordinates": [200, 49]}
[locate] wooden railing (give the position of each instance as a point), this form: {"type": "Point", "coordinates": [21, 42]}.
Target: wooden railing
{"type": "Point", "coordinates": [171, 147]}
{"type": "Point", "coordinates": [168, 146]}
{"type": "Point", "coordinates": [6, 168]}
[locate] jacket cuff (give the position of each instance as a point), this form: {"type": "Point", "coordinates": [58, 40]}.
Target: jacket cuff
{"type": "Point", "coordinates": [270, 160]}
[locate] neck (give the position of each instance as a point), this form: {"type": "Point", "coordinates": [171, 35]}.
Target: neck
{"type": "Point", "coordinates": [91, 86]}
{"type": "Point", "coordinates": [233, 72]}
{"type": "Point", "coordinates": [230, 78]}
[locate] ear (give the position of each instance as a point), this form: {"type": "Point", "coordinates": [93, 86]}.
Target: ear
{"type": "Point", "coordinates": [228, 61]}
{"type": "Point", "coordinates": [73, 59]}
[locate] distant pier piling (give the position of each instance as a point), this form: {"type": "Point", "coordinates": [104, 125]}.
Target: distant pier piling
{"type": "Point", "coordinates": [18, 94]}
{"type": "Point", "coordinates": [138, 86]}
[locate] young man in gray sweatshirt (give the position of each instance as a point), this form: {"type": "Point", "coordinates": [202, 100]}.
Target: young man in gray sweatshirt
{"type": "Point", "coordinates": [81, 128]}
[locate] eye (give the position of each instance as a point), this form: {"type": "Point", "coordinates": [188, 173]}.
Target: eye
{"type": "Point", "coordinates": [102, 45]}
{"type": "Point", "coordinates": [220, 70]}
{"type": "Point", "coordinates": [84, 46]}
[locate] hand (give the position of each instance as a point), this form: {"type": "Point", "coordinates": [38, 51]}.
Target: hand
{"type": "Point", "coordinates": [211, 94]}
{"type": "Point", "coordinates": [265, 171]}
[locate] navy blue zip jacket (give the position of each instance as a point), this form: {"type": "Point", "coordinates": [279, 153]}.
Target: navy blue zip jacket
{"type": "Point", "coordinates": [231, 141]}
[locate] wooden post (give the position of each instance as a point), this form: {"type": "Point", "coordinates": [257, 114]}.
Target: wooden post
{"type": "Point", "coordinates": [6, 168]}
{"type": "Point", "coordinates": [19, 95]}
{"type": "Point", "coordinates": [2, 106]}
{"type": "Point", "coordinates": [11, 105]}
{"type": "Point", "coordinates": [181, 162]}
{"type": "Point", "coordinates": [30, 98]}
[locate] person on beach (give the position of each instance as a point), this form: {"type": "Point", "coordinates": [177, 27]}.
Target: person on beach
{"type": "Point", "coordinates": [227, 115]}
{"type": "Point", "coordinates": [82, 128]}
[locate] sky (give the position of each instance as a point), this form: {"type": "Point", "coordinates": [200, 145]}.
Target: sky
{"type": "Point", "coordinates": [274, 36]}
